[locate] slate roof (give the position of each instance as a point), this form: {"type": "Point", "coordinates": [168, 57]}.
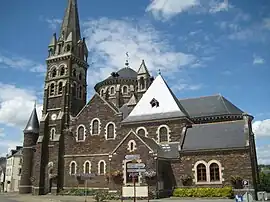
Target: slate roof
{"type": "Point", "coordinates": [125, 73]}
{"type": "Point", "coordinates": [215, 136]}
{"type": "Point", "coordinates": [209, 106]}
{"type": "Point", "coordinates": [33, 123]}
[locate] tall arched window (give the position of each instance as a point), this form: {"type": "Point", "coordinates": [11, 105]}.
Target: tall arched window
{"type": "Point", "coordinates": [80, 133]}
{"type": "Point", "coordinates": [110, 131]}
{"type": "Point", "coordinates": [52, 134]}
{"type": "Point", "coordinates": [53, 73]}
{"type": "Point", "coordinates": [102, 92]}
{"type": "Point", "coordinates": [201, 173]}
{"type": "Point", "coordinates": [141, 132]}
{"type": "Point", "coordinates": [95, 127]}
{"type": "Point", "coordinates": [73, 168]}
{"type": "Point", "coordinates": [68, 48]}
{"type": "Point", "coordinates": [112, 90]}
{"type": "Point", "coordinates": [74, 89]}
{"type": "Point", "coordinates": [163, 134]}
{"type": "Point", "coordinates": [60, 88]}
{"type": "Point", "coordinates": [52, 89]}
{"type": "Point", "coordinates": [142, 83]}
{"type": "Point", "coordinates": [62, 70]}
{"type": "Point", "coordinates": [214, 172]}
{"type": "Point", "coordinates": [80, 92]}
{"type": "Point", "coordinates": [101, 167]}
{"type": "Point", "coordinates": [125, 89]}
{"type": "Point", "coordinates": [87, 167]}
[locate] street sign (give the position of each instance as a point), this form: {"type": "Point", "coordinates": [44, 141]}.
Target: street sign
{"type": "Point", "coordinates": [135, 170]}
{"type": "Point", "coordinates": [132, 157]}
{"type": "Point", "coordinates": [136, 165]}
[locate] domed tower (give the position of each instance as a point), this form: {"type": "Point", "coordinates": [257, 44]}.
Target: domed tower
{"type": "Point", "coordinates": [119, 87]}
{"type": "Point", "coordinates": [144, 79]}
{"type": "Point", "coordinates": [31, 133]}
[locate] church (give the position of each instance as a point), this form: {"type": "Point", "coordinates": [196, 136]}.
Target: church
{"type": "Point", "coordinates": [131, 118]}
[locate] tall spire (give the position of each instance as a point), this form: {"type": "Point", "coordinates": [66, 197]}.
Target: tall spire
{"type": "Point", "coordinates": [71, 22]}
{"type": "Point", "coordinates": [33, 123]}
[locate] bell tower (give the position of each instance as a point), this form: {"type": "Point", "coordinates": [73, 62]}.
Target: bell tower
{"type": "Point", "coordinates": [64, 96]}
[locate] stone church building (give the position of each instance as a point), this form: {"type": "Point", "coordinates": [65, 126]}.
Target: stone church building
{"type": "Point", "coordinates": [205, 141]}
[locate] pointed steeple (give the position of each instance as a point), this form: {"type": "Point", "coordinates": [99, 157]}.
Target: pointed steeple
{"type": "Point", "coordinates": [71, 23]}
{"type": "Point", "coordinates": [33, 123]}
{"type": "Point", "coordinates": [53, 41]}
{"type": "Point", "coordinates": [143, 69]}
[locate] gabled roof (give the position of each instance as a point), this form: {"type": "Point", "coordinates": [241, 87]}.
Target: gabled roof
{"type": "Point", "coordinates": [222, 135]}
{"type": "Point", "coordinates": [143, 69]}
{"type": "Point", "coordinates": [209, 106]}
{"type": "Point", "coordinates": [168, 105]}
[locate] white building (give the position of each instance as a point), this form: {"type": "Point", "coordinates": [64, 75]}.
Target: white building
{"type": "Point", "coordinates": [13, 170]}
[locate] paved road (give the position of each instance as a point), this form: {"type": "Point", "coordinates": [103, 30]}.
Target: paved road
{"type": "Point", "coordinates": [5, 199]}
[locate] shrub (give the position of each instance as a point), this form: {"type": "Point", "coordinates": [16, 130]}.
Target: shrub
{"type": "Point", "coordinates": [203, 192]}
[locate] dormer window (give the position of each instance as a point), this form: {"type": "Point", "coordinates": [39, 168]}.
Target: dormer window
{"type": "Point", "coordinates": [154, 103]}
{"type": "Point", "coordinates": [115, 74]}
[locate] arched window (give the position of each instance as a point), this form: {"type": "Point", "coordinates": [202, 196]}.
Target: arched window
{"type": "Point", "coordinates": [95, 127]}
{"type": "Point", "coordinates": [60, 88]}
{"type": "Point", "coordinates": [74, 89]}
{"type": "Point", "coordinates": [141, 132]}
{"type": "Point", "coordinates": [62, 70]}
{"type": "Point", "coordinates": [87, 167]}
{"type": "Point", "coordinates": [142, 83]}
{"type": "Point", "coordinates": [201, 173]}
{"type": "Point", "coordinates": [112, 90]}
{"type": "Point", "coordinates": [52, 134]}
{"type": "Point", "coordinates": [53, 73]}
{"type": "Point", "coordinates": [80, 92]}
{"type": "Point", "coordinates": [80, 133]}
{"type": "Point", "coordinates": [80, 76]}
{"type": "Point", "coordinates": [102, 92]}
{"type": "Point", "coordinates": [214, 172]}
{"type": "Point", "coordinates": [101, 167]}
{"type": "Point", "coordinates": [125, 89]}
{"type": "Point", "coordinates": [110, 131]}
{"type": "Point", "coordinates": [52, 89]}
{"type": "Point", "coordinates": [163, 134]}
{"type": "Point", "coordinates": [50, 52]}
{"type": "Point", "coordinates": [68, 48]}
{"type": "Point", "coordinates": [73, 168]}
{"type": "Point", "coordinates": [74, 72]}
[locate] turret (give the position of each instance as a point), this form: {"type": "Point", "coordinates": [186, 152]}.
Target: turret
{"type": "Point", "coordinates": [144, 79]}
{"type": "Point", "coordinates": [31, 133]}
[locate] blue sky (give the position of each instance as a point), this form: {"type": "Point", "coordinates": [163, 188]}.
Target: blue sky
{"type": "Point", "coordinates": [201, 47]}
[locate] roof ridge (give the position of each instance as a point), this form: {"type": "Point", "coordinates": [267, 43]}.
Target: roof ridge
{"type": "Point", "coordinates": [222, 122]}
{"type": "Point", "coordinates": [204, 96]}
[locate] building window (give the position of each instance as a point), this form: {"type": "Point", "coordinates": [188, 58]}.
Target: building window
{"type": "Point", "coordinates": [101, 167]}
{"type": "Point", "coordinates": [102, 92]}
{"type": "Point", "coordinates": [80, 92]}
{"type": "Point", "coordinates": [112, 90]}
{"type": "Point", "coordinates": [110, 131]}
{"type": "Point", "coordinates": [81, 133]}
{"type": "Point", "coordinates": [60, 88]}
{"type": "Point", "coordinates": [52, 134]}
{"type": "Point", "coordinates": [131, 146]}
{"type": "Point", "coordinates": [53, 73]}
{"type": "Point", "coordinates": [95, 127]}
{"type": "Point", "coordinates": [201, 173]}
{"type": "Point", "coordinates": [87, 167]}
{"type": "Point", "coordinates": [80, 76]}
{"type": "Point", "coordinates": [154, 103]}
{"type": "Point", "coordinates": [163, 134]}
{"type": "Point", "coordinates": [214, 172]}
{"type": "Point", "coordinates": [142, 83]}
{"type": "Point", "coordinates": [141, 131]}
{"type": "Point", "coordinates": [124, 89]}
{"type": "Point", "coordinates": [52, 89]}
{"type": "Point", "coordinates": [72, 168]}
{"type": "Point", "coordinates": [68, 48]}
{"type": "Point", "coordinates": [74, 89]}
{"type": "Point", "coordinates": [62, 70]}
{"type": "Point", "coordinates": [74, 72]}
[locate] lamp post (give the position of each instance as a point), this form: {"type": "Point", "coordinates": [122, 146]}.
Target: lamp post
{"type": "Point", "coordinates": [110, 160]}
{"type": "Point", "coordinates": [157, 172]}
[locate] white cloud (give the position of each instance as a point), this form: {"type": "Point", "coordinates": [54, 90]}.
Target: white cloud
{"type": "Point", "coordinates": [109, 40]}
{"type": "Point", "coordinates": [16, 105]}
{"type": "Point", "coordinates": [53, 23]}
{"type": "Point", "coordinates": [257, 60]}
{"type": "Point", "coordinates": [21, 63]}
{"type": "Point", "coordinates": [167, 9]}
{"type": "Point", "coordinates": [7, 145]}
{"type": "Point", "coordinates": [2, 134]}
{"type": "Point", "coordinates": [263, 154]}
{"type": "Point", "coordinates": [185, 86]}
{"type": "Point", "coordinates": [261, 128]}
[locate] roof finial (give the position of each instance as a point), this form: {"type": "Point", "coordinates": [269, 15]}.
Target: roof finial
{"type": "Point", "coordinates": [159, 72]}
{"type": "Point", "coordinates": [127, 62]}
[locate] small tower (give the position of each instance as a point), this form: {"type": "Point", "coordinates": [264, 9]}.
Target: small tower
{"type": "Point", "coordinates": [31, 132]}
{"type": "Point", "coordinates": [144, 79]}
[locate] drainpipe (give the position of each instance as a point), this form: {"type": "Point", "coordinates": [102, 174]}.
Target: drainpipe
{"type": "Point", "coordinates": [157, 175]}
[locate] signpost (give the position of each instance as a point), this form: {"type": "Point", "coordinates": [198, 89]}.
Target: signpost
{"type": "Point", "coordinates": [134, 169]}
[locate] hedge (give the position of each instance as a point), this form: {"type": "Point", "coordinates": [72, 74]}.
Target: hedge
{"type": "Point", "coordinates": [203, 192]}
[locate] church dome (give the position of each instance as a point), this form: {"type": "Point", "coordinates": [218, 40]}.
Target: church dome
{"type": "Point", "coordinates": [123, 75]}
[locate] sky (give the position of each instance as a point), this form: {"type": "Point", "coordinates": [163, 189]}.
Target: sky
{"type": "Point", "coordinates": [201, 47]}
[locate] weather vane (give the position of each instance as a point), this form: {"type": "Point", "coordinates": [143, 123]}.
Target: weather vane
{"type": "Point", "coordinates": [159, 72]}
{"type": "Point", "coordinates": [127, 63]}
